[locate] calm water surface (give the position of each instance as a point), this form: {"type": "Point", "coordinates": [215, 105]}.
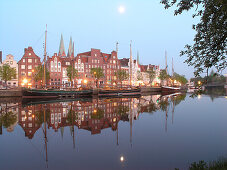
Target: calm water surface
{"type": "Point", "coordinates": [151, 132]}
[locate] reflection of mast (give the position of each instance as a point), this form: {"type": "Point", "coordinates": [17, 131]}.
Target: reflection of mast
{"type": "Point", "coordinates": [173, 109]}
{"type": "Point", "coordinates": [117, 135]}
{"type": "Point", "coordinates": [73, 134]}
{"type": "Point", "coordinates": [166, 120]}
{"type": "Point", "coordinates": [131, 124]}
{"type": "Point", "coordinates": [45, 136]}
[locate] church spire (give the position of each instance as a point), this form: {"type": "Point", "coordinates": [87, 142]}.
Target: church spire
{"type": "Point", "coordinates": [70, 50]}
{"type": "Point", "coordinates": [62, 47]}
{"type": "Point", "coordinates": [73, 50]}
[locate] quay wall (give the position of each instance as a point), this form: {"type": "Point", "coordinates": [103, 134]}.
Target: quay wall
{"type": "Point", "coordinates": [10, 93]}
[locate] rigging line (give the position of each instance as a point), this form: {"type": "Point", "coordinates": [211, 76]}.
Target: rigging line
{"type": "Point", "coordinates": [34, 45]}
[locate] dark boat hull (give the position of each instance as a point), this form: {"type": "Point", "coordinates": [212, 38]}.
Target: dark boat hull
{"type": "Point", "coordinates": [31, 93]}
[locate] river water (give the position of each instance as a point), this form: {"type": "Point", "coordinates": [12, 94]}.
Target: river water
{"type": "Point", "coordinates": [149, 132]}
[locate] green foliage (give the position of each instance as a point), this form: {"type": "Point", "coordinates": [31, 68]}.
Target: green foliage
{"type": "Point", "coordinates": [139, 75]}
{"type": "Point", "coordinates": [122, 110]}
{"type": "Point", "coordinates": [8, 119]}
{"type": "Point", "coordinates": [71, 72]}
{"type": "Point", "coordinates": [97, 114]}
{"type": "Point", "coordinates": [39, 116]}
{"type": "Point", "coordinates": [220, 164]}
{"type": "Point", "coordinates": [39, 73]}
{"type": "Point", "coordinates": [151, 75]}
{"type": "Point", "coordinates": [163, 75]}
{"type": "Point", "coordinates": [97, 73]}
{"type": "Point", "coordinates": [72, 116]}
{"type": "Point", "coordinates": [180, 78]}
{"type": "Point", "coordinates": [7, 73]}
{"type": "Point", "coordinates": [163, 104]}
{"type": "Point", "coordinates": [209, 48]}
{"type": "Point", "coordinates": [122, 75]}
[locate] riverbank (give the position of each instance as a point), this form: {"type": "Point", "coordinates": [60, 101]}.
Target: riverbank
{"type": "Point", "coordinates": [142, 91]}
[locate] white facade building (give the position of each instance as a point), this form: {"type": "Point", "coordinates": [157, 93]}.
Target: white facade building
{"type": "Point", "coordinates": [13, 64]}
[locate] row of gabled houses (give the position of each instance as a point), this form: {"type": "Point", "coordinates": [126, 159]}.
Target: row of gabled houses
{"type": "Point", "coordinates": [83, 62]}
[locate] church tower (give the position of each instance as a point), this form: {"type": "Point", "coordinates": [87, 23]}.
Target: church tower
{"type": "Point", "coordinates": [62, 48]}
{"type": "Point", "coordinates": [70, 50]}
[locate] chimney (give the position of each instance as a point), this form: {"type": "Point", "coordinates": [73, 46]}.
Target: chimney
{"type": "Point", "coordinates": [0, 56]}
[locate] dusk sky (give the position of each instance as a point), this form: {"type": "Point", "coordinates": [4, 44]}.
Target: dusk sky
{"type": "Point", "coordinates": [98, 24]}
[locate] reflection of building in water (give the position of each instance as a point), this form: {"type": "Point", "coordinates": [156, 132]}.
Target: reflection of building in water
{"type": "Point", "coordinates": [93, 115]}
{"type": "Point", "coordinates": [29, 120]}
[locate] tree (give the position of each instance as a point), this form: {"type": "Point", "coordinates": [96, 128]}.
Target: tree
{"type": "Point", "coordinates": [98, 74]}
{"type": "Point", "coordinates": [39, 73]}
{"type": "Point", "coordinates": [151, 74]}
{"type": "Point", "coordinates": [71, 73]}
{"type": "Point", "coordinates": [122, 75]}
{"type": "Point", "coordinates": [209, 48]}
{"type": "Point", "coordinates": [8, 119]}
{"type": "Point", "coordinates": [7, 73]}
{"type": "Point", "coordinates": [163, 76]}
{"type": "Point", "coordinates": [180, 78]}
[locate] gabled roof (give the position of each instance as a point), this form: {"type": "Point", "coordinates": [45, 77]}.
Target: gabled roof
{"type": "Point", "coordinates": [124, 62]}
{"type": "Point", "coordinates": [143, 68]}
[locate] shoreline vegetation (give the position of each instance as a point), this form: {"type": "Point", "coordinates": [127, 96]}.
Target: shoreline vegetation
{"type": "Point", "coordinates": [219, 164]}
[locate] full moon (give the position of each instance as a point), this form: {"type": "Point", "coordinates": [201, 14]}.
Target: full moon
{"type": "Point", "coordinates": [121, 9]}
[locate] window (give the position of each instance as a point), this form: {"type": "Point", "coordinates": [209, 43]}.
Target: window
{"type": "Point", "coordinates": [98, 61]}
{"type": "Point", "coordinates": [35, 60]}
{"type": "Point", "coordinates": [114, 61]}
{"type": "Point", "coordinates": [29, 73]}
{"type": "Point", "coordinates": [67, 63]}
{"type": "Point", "coordinates": [89, 66]}
{"type": "Point", "coordinates": [22, 66]}
{"type": "Point", "coordinates": [29, 60]}
{"type": "Point", "coordinates": [29, 54]}
{"type": "Point", "coordinates": [113, 57]}
{"type": "Point", "coordinates": [11, 62]}
{"type": "Point", "coordinates": [29, 66]}
{"type": "Point", "coordinates": [23, 73]}
{"type": "Point", "coordinates": [23, 60]}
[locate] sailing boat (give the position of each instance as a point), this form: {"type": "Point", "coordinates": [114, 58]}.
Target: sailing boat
{"type": "Point", "coordinates": [47, 93]}
{"type": "Point", "coordinates": [169, 89]}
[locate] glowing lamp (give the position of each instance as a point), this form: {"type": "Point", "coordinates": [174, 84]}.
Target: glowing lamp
{"type": "Point", "coordinates": [25, 81]}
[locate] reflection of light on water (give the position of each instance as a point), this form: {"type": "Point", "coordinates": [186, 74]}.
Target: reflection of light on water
{"type": "Point", "coordinates": [226, 97]}
{"type": "Point", "coordinates": [122, 158]}
{"type": "Point", "coordinates": [199, 96]}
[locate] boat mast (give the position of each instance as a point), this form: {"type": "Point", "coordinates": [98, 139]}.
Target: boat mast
{"type": "Point", "coordinates": [45, 53]}
{"type": "Point", "coordinates": [130, 64]}
{"type": "Point", "coordinates": [166, 62]}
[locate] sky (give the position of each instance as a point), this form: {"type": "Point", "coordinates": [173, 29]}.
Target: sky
{"type": "Point", "coordinates": [98, 24]}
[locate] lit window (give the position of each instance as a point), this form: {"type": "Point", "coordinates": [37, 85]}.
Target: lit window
{"type": "Point", "coordinates": [29, 73]}
{"type": "Point", "coordinates": [29, 66]}
{"type": "Point", "coordinates": [29, 54]}
{"type": "Point", "coordinates": [23, 60]}
{"type": "Point", "coordinates": [29, 60]}
{"type": "Point", "coordinates": [22, 66]}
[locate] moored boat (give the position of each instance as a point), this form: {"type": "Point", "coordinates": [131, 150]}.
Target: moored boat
{"type": "Point", "coordinates": [42, 93]}
{"type": "Point", "coordinates": [170, 89]}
